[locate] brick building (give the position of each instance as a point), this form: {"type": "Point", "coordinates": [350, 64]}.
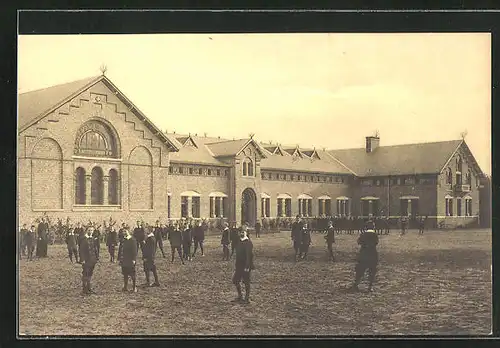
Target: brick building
{"type": "Point", "coordinates": [86, 151]}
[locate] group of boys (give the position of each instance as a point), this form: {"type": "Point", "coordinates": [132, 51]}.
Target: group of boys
{"type": "Point", "coordinates": [367, 259]}
{"type": "Point", "coordinates": [34, 236]}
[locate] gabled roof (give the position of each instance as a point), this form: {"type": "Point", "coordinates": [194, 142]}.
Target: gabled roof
{"type": "Point", "coordinates": [194, 155]}
{"type": "Point", "coordinates": [424, 158]}
{"type": "Point", "coordinates": [229, 148]}
{"type": "Point", "coordinates": [293, 151]}
{"type": "Point", "coordinates": [35, 105]}
{"type": "Point", "coordinates": [470, 158]}
{"type": "Point", "coordinates": [187, 141]}
{"type": "Point", "coordinates": [311, 153]}
{"type": "Point", "coordinates": [269, 148]}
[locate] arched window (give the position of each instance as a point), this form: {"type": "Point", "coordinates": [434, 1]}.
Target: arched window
{"type": "Point", "coordinates": [248, 167]}
{"type": "Point", "coordinates": [97, 186]}
{"type": "Point", "coordinates": [80, 186]}
{"type": "Point", "coordinates": [96, 139]}
{"type": "Point", "coordinates": [113, 187]}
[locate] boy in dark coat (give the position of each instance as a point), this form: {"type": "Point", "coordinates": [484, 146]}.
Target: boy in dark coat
{"type": "Point", "coordinates": [187, 240]}
{"type": "Point", "coordinates": [43, 238]}
{"type": "Point", "coordinates": [421, 225]}
{"type": "Point", "coordinates": [128, 260]}
{"type": "Point", "coordinates": [258, 226]}
{"type": "Point", "coordinates": [139, 235]}
{"type": "Point", "coordinates": [71, 244]}
{"type": "Point", "coordinates": [97, 240]}
{"type": "Point", "coordinates": [121, 237]}
{"type": "Point", "coordinates": [225, 242]}
{"type": "Point", "coordinates": [367, 257]}
{"type": "Point", "coordinates": [30, 242]}
{"type": "Point", "coordinates": [89, 260]}
{"type": "Point", "coordinates": [234, 237]}
{"type": "Point", "coordinates": [22, 241]}
{"type": "Point", "coordinates": [175, 238]}
{"type": "Point", "coordinates": [243, 265]}
{"type": "Point", "coordinates": [305, 242]}
{"type": "Point", "coordinates": [387, 225]}
{"type": "Point", "coordinates": [158, 232]}
{"type": "Point", "coordinates": [297, 235]}
{"type": "Point", "coordinates": [404, 225]}
{"type": "Point", "coordinates": [111, 242]}
{"type": "Point", "coordinates": [198, 238]}
{"type": "Point", "coordinates": [148, 258]}
{"type": "Point", "coordinates": [330, 239]}
{"type": "Point", "coordinates": [80, 235]}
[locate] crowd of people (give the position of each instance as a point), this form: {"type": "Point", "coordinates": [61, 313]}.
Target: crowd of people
{"type": "Point", "coordinates": [84, 244]}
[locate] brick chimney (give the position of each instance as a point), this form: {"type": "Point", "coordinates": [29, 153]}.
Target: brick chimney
{"type": "Point", "coordinates": [372, 142]}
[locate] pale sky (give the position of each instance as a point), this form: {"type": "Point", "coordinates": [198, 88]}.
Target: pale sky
{"type": "Point", "coordinates": [322, 90]}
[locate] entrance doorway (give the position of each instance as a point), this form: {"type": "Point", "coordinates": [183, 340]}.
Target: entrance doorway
{"type": "Point", "coordinates": [248, 207]}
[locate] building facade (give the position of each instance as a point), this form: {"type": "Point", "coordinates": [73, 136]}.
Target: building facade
{"type": "Point", "coordinates": [85, 151]}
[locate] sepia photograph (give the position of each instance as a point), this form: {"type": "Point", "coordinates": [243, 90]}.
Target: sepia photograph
{"type": "Point", "coordinates": [292, 184]}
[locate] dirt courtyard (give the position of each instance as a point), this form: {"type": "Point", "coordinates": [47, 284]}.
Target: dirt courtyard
{"type": "Point", "coordinates": [438, 283]}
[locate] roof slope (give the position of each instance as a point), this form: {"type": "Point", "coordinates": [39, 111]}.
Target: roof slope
{"type": "Point", "coordinates": [190, 154]}
{"type": "Point", "coordinates": [325, 165]}
{"type": "Point", "coordinates": [227, 147]}
{"type": "Point", "coordinates": [425, 158]}
{"type": "Point", "coordinates": [34, 103]}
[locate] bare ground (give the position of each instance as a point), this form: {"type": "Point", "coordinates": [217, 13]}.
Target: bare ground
{"type": "Point", "coordinates": [439, 283]}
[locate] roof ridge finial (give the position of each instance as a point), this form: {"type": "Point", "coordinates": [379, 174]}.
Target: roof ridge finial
{"type": "Point", "coordinates": [463, 134]}
{"type": "Point", "coordinates": [103, 69]}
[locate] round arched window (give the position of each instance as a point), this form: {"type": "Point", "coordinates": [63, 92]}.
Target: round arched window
{"type": "Point", "coordinates": [97, 140]}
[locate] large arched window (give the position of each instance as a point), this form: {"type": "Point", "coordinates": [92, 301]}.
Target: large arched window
{"type": "Point", "coordinates": [97, 186]}
{"type": "Point", "coordinates": [248, 167]}
{"type": "Point", "coordinates": [96, 139]}
{"type": "Point", "coordinates": [80, 186]}
{"type": "Point", "coordinates": [113, 187]}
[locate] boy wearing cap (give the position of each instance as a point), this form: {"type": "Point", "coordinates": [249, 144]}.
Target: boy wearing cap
{"type": "Point", "coordinates": [330, 239]}
{"type": "Point", "coordinates": [148, 258]}
{"type": "Point", "coordinates": [305, 242]}
{"type": "Point", "coordinates": [198, 238]}
{"type": "Point", "coordinates": [139, 235]}
{"type": "Point", "coordinates": [111, 242]}
{"type": "Point", "coordinates": [234, 237]}
{"type": "Point", "coordinates": [243, 265]}
{"type": "Point", "coordinates": [158, 233]}
{"type": "Point", "coordinates": [367, 257]}
{"type": "Point", "coordinates": [128, 260]}
{"type": "Point", "coordinates": [30, 242]}
{"type": "Point", "coordinates": [296, 235]}
{"type": "Point", "coordinates": [175, 238]}
{"type": "Point", "coordinates": [89, 260]}
{"type": "Point", "coordinates": [71, 244]}
{"type": "Point", "coordinates": [186, 242]}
